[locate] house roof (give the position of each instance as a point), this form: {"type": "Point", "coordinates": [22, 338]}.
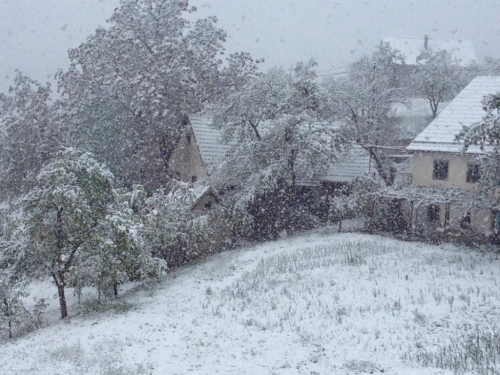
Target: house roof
{"type": "Point", "coordinates": [412, 117]}
{"type": "Point", "coordinates": [209, 140]}
{"type": "Point", "coordinates": [353, 163]}
{"type": "Point", "coordinates": [465, 110]}
{"type": "Point", "coordinates": [462, 50]}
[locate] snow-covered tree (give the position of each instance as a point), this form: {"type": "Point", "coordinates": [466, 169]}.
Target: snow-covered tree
{"type": "Point", "coordinates": [172, 230]}
{"type": "Point", "coordinates": [116, 253]}
{"type": "Point", "coordinates": [28, 137]}
{"type": "Point", "coordinates": [274, 121]}
{"type": "Point", "coordinates": [14, 315]}
{"type": "Point", "coordinates": [355, 200]}
{"type": "Point", "coordinates": [73, 225]}
{"type": "Point", "coordinates": [131, 85]}
{"type": "Point", "coordinates": [363, 102]}
{"type": "Point", "coordinates": [439, 77]}
{"type": "Point", "coordinates": [491, 67]}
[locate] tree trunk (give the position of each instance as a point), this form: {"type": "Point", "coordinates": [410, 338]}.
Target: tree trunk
{"type": "Point", "coordinates": [62, 301]}
{"type": "Point", "coordinates": [379, 165]}
{"type": "Point", "coordinates": [62, 297]}
{"type": "Point", "coordinates": [8, 314]}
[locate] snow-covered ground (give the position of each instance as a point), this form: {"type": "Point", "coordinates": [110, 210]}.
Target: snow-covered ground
{"type": "Point", "coordinates": [315, 304]}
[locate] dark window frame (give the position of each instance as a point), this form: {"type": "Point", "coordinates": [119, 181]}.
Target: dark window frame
{"type": "Point", "coordinates": [473, 173]}
{"type": "Point", "coordinates": [441, 169]}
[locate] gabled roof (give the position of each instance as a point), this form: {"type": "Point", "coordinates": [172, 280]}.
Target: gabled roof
{"type": "Point", "coordinates": [462, 50]}
{"type": "Point", "coordinates": [208, 140]}
{"type": "Point", "coordinates": [354, 163]}
{"type": "Point", "coordinates": [465, 110]}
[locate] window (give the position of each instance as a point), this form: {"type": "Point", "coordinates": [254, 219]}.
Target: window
{"type": "Point", "coordinates": [208, 205]}
{"type": "Point", "coordinates": [465, 221]}
{"type": "Point", "coordinates": [473, 173]}
{"type": "Point", "coordinates": [193, 179]}
{"type": "Point", "coordinates": [440, 170]}
{"type": "Point", "coordinates": [433, 213]}
{"type": "Point", "coordinates": [188, 138]}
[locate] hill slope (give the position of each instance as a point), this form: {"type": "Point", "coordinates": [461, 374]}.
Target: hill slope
{"type": "Point", "coordinates": [317, 304]}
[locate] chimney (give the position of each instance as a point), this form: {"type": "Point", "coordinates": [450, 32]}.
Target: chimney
{"type": "Point", "coordinates": [426, 42]}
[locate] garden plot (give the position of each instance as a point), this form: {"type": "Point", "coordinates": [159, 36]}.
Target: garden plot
{"type": "Point", "coordinates": [316, 304]}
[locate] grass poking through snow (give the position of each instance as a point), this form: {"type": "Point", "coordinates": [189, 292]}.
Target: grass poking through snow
{"type": "Point", "coordinates": [362, 297]}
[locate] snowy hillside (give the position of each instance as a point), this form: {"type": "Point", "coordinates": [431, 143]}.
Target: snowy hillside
{"type": "Point", "coordinates": [317, 304]}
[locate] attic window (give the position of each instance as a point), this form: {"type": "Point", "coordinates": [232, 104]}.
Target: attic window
{"type": "Point", "coordinates": [188, 138]}
{"type": "Point", "coordinates": [473, 173]}
{"type": "Point", "coordinates": [440, 170]}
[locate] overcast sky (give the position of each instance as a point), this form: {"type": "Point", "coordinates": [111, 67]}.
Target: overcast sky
{"type": "Point", "coordinates": [36, 34]}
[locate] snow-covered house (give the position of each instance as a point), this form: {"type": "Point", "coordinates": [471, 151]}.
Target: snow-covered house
{"type": "Point", "coordinates": [443, 171]}
{"type": "Point", "coordinates": [201, 147]}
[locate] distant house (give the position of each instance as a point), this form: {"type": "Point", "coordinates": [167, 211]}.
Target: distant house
{"type": "Point", "coordinates": [443, 175]}
{"type": "Point", "coordinates": [411, 48]}
{"type": "Point", "coordinates": [201, 147]}
{"type": "Point", "coordinates": [462, 51]}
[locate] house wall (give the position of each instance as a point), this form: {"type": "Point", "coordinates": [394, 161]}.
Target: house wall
{"type": "Point", "coordinates": [423, 166]}
{"type": "Point", "coordinates": [186, 160]}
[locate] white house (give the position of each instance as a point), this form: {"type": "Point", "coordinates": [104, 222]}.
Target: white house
{"type": "Point", "coordinates": [443, 172]}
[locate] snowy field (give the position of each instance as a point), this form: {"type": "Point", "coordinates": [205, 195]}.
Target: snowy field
{"type": "Point", "coordinates": [316, 304]}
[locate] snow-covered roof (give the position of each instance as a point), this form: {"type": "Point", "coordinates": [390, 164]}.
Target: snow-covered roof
{"type": "Point", "coordinates": [199, 190]}
{"type": "Point", "coordinates": [465, 110]}
{"type": "Point", "coordinates": [462, 50]}
{"type": "Point", "coordinates": [354, 163]}
{"type": "Point", "coordinates": [412, 117]}
{"type": "Point", "coordinates": [208, 139]}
